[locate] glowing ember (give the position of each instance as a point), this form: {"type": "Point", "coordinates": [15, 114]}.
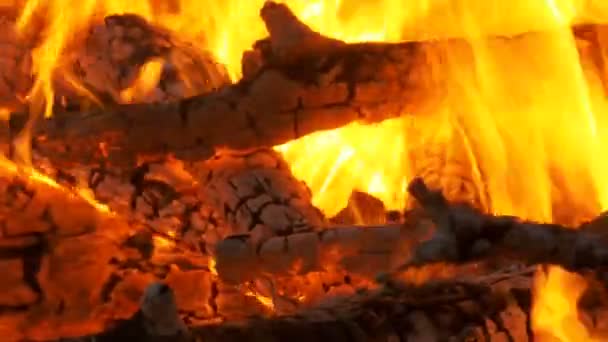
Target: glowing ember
{"type": "Point", "coordinates": [4, 114]}
{"type": "Point", "coordinates": [266, 301]}
{"type": "Point", "coordinates": [164, 243]}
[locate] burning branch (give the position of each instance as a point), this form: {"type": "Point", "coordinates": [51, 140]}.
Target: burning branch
{"type": "Point", "coordinates": [465, 234]}
{"type": "Point", "coordinates": [286, 93]}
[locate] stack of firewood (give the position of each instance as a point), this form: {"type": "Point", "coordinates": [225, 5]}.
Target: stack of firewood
{"type": "Point", "coordinates": [187, 195]}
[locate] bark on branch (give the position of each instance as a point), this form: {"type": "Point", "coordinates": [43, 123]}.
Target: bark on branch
{"type": "Point", "coordinates": [464, 234]}
{"type": "Point", "coordinates": [295, 82]}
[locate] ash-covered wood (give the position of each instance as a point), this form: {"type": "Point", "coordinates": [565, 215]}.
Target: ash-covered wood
{"type": "Point", "coordinates": [286, 93]}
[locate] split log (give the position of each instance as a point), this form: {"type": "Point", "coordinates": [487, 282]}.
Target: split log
{"type": "Point", "coordinates": [286, 93]}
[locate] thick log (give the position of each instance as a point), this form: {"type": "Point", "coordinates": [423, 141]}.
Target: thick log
{"type": "Point", "coordinates": [286, 93]}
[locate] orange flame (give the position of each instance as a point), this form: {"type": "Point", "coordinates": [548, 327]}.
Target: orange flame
{"type": "Point", "coordinates": [266, 301]}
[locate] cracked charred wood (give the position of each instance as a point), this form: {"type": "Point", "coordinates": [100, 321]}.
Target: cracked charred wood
{"type": "Point", "coordinates": [286, 93]}
{"type": "Point", "coordinates": [71, 268]}
{"type": "Point", "coordinates": [195, 205]}
{"type": "Point", "coordinates": [464, 234]}
{"type": "Point", "coordinates": [256, 195]}
{"type": "Point", "coordinates": [362, 250]}
{"type": "Point", "coordinates": [495, 308]}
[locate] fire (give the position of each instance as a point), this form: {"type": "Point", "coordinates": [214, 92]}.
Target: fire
{"type": "Point", "coordinates": [10, 168]}
{"type": "Point", "coordinates": [148, 78]}
{"type": "Point", "coordinates": [555, 314]}
{"type": "Point", "coordinates": [334, 163]}
{"type": "Point", "coordinates": [533, 118]}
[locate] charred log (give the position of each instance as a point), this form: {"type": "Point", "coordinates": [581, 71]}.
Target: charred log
{"type": "Point", "coordinates": [286, 93]}
{"type": "Point", "coordinates": [249, 194]}
{"type": "Point", "coordinates": [464, 234]}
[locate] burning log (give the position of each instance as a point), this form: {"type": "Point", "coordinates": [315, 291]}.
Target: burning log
{"type": "Point", "coordinates": [491, 308]}
{"type": "Point", "coordinates": [43, 280]}
{"type": "Point", "coordinates": [364, 250]}
{"type": "Point", "coordinates": [286, 93]}
{"type": "Point", "coordinates": [121, 263]}
{"type": "Point", "coordinates": [464, 234]}
{"type": "Point", "coordinates": [459, 234]}
{"type": "Point", "coordinates": [116, 51]}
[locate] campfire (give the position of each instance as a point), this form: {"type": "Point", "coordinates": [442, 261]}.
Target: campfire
{"type": "Point", "coordinates": [309, 170]}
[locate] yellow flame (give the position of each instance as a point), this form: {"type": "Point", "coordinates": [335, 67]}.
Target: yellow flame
{"type": "Point", "coordinates": [212, 266]}
{"type": "Point", "coordinates": [146, 81]}
{"type": "Point", "coordinates": [164, 243]}
{"type": "Point", "coordinates": [66, 17]}
{"type": "Point", "coordinates": [556, 314]}
{"type": "Point", "coordinates": [266, 301]}
{"type": "Point", "coordinates": [7, 166]}
{"type": "Point", "coordinates": [335, 163]}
